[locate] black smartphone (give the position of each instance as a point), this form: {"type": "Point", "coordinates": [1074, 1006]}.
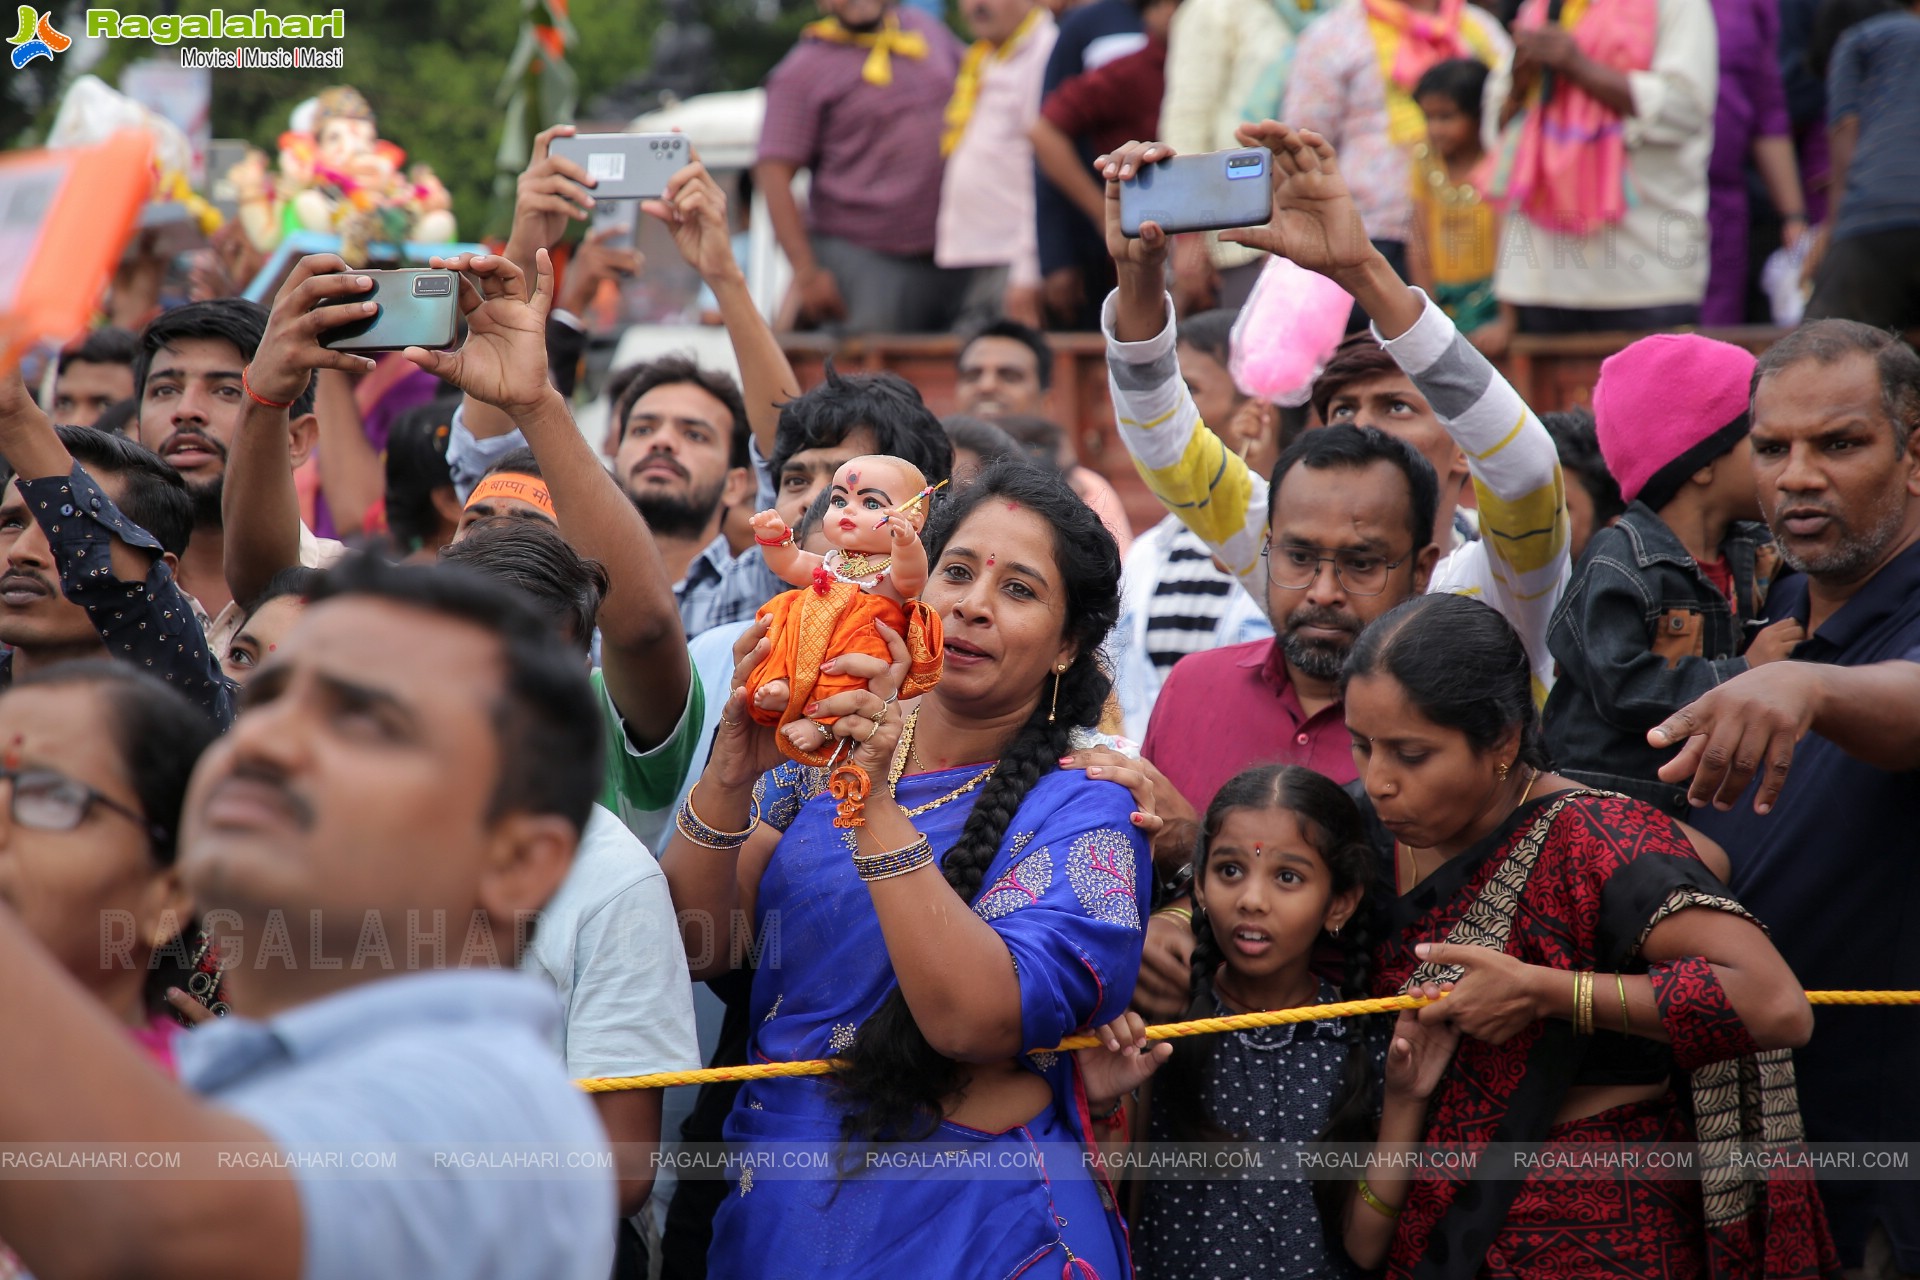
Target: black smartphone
{"type": "Point", "coordinates": [626, 166]}
{"type": "Point", "coordinates": [418, 308]}
{"type": "Point", "coordinates": [1199, 193]}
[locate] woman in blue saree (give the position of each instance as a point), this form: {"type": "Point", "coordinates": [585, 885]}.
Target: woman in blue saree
{"type": "Point", "coordinates": [990, 905]}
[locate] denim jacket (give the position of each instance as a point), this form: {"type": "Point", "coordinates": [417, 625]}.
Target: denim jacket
{"type": "Point", "coordinates": [1640, 633]}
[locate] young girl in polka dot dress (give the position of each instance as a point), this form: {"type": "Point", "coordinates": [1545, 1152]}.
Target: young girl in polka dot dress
{"type": "Point", "coordinates": [1280, 870]}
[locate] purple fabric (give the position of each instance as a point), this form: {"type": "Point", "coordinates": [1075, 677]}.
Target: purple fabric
{"type": "Point", "coordinates": [873, 151]}
{"type": "Point", "coordinates": [1752, 104]}
{"type": "Point", "coordinates": [416, 388]}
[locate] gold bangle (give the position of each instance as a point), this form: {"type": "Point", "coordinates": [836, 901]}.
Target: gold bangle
{"type": "Point", "coordinates": [1626, 1023]}
{"type": "Point", "coordinates": [1183, 914]}
{"type": "Point", "coordinates": [1586, 1002]}
{"type": "Point", "coordinates": [1374, 1202]}
{"type": "Point", "coordinates": [1575, 1017]}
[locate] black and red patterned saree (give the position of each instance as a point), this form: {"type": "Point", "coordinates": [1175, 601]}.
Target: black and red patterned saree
{"type": "Point", "coordinates": [1574, 881]}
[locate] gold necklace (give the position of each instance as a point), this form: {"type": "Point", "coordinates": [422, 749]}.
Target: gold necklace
{"type": "Point", "coordinates": [905, 750]}
{"type": "Point", "coordinates": [854, 564]}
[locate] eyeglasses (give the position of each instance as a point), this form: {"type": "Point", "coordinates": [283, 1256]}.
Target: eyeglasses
{"type": "Point", "coordinates": [1295, 568]}
{"type": "Point", "coordinates": [45, 800]}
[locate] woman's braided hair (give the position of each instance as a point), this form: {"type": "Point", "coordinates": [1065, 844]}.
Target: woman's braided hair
{"type": "Point", "coordinates": [895, 1081]}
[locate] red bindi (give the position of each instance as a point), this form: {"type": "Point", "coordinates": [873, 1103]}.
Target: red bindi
{"type": "Point", "coordinates": [12, 758]}
{"type": "Point", "coordinates": [1013, 506]}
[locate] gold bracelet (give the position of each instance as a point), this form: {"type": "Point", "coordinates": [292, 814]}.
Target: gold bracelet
{"type": "Point", "coordinates": [1576, 1002]}
{"type": "Point", "coordinates": [1626, 1023]}
{"type": "Point", "coordinates": [1183, 914]}
{"type": "Point", "coordinates": [1374, 1202]}
{"type": "Point", "coordinates": [1586, 1002]}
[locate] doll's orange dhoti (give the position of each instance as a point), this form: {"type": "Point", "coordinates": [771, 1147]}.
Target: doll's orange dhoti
{"type": "Point", "coordinates": [813, 624]}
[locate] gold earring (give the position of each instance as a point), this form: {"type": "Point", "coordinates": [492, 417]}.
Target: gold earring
{"type": "Point", "coordinates": [1502, 770]}
{"type": "Point", "coordinates": [1057, 673]}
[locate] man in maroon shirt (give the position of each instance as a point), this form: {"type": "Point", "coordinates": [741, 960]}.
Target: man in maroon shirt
{"type": "Point", "coordinates": [1107, 107]}
{"type": "Point", "coordinates": [859, 103]}
{"type": "Point", "coordinates": [1351, 537]}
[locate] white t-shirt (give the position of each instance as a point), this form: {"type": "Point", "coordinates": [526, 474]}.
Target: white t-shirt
{"type": "Point", "coordinates": [610, 943]}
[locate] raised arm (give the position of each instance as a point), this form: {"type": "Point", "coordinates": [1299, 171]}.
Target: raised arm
{"type": "Point", "coordinates": [695, 211]}
{"type": "Point", "coordinates": [787, 561]}
{"type": "Point", "coordinates": [551, 193]}
{"type": "Point", "coordinates": [114, 569]}
{"type": "Point", "coordinates": [1187, 466]}
{"type": "Point", "coordinates": [351, 476]}
{"type": "Point", "coordinates": [1522, 563]}
{"type": "Point", "coordinates": [909, 558]}
{"type": "Point", "coordinates": [260, 507]}
{"type": "Point", "coordinates": [503, 363]}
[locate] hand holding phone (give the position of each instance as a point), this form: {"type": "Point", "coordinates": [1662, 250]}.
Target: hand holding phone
{"type": "Point", "coordinates": [1209, 192]}
{"type": "Point", "coordinates": [412, 308]}
{"type": "Point", "coordinates": [503, 361]}
{"type": "Point", "coordinates": [625, 166]}
{"type": "Point", "coordinates": [320, 293]}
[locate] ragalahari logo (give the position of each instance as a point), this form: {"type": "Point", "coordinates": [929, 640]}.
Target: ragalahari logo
{"type": "Point", "coordinates": [37, 38]}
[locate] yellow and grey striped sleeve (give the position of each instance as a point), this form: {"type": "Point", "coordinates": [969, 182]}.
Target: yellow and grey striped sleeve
{"type": "Point", "coordinates": [1521, 563]}
{"type": "Point", "coordinates": [1187, 466]}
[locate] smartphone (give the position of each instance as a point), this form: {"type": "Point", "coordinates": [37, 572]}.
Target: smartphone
{"type": "Point", "coordinates": [622, 216]}
{"type": "Point", "coordinates": [1199, 193]}
{"type": "Point", "coordinates": [418, 308]}
{"type": "Point", "coordinates": [626, 166]}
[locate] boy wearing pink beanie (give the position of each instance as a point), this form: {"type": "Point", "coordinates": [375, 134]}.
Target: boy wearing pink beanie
{"type": "Point", "coordinates": [1660, 608]}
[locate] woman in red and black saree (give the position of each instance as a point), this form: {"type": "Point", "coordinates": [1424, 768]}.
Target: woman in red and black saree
{"type": "Point", "coordinates": [1602, 991]}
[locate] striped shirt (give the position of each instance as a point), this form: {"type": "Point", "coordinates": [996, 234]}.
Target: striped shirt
{"type": "Point", "coordinates": [1189, 599]}
{"type": "Point", "coordinates": [1519, 565]}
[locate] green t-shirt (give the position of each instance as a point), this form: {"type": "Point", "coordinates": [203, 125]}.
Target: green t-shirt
{"type": "Point", "coordinates": [640, 787]}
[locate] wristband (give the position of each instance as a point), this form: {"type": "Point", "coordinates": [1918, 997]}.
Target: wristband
{"type": "Point", "coordinates": [787, 541]}
{"type": "Point", "coordinates": [257, 397]}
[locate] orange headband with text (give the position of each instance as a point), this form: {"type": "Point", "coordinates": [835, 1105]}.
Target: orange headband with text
{"type": "Point", "coordinates": [516, 485]}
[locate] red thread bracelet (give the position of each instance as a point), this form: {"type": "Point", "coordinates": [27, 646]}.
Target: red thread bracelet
{"type": "Point", "coordinates": [257, 397]}
{"type": "Point", "coordinates": [777, 542]}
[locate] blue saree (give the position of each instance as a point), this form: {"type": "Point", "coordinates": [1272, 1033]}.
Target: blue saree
{"type": "Point", "coordinates": [1068, 894]}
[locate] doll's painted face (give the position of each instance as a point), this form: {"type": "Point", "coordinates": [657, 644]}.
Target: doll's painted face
{"type": "Point", "coordinates": [343, 140]}
{"type": "Point", "coordinates": [866, 491]}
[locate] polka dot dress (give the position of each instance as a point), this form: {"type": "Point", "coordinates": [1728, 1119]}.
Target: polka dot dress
{"type": "Point", "coordinates": [1274, 1084]}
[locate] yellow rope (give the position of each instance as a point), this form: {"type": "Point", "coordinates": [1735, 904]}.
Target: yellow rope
{"type": "Point", "coordinates": [1164, 1031]}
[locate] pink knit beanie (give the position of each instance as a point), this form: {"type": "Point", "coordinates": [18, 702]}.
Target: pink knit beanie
{"type": "Point", "coordinates": [1667, 406]}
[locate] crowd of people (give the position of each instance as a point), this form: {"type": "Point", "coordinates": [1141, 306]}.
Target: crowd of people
{"type": "Point", "coordinates": [380, 758]}
{"type": "Point", "coordinates": [1535, 167]}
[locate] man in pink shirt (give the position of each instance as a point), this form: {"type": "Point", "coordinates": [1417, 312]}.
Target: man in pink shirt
{"type": "Point", "coordinates": [859, 104]}
{"type": "Point", "coordinates": [1351, 537]}
{"type": "Point", "coordinates": [986, 223]}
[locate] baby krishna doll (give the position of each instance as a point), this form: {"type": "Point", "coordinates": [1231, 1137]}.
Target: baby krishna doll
{"type": "Point", "coordinates": [873, 573]}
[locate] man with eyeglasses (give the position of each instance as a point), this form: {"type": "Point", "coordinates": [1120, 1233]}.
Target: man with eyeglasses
{"type": "Point", "coordinates": [1352, 537]}
{"type": "Point", "coordinates": [1276, 546]}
